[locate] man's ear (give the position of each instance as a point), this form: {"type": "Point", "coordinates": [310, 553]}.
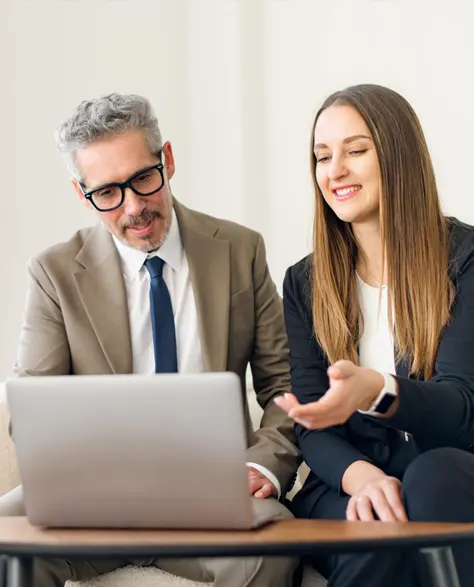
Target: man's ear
{"type": "Point", "coordinates": [80, 193]}
{"type": "Point", "coordinates": [168, 159]}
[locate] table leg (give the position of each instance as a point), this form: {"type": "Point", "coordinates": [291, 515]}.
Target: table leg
{"type": "Point", "coordinates": [439, 567]}
{"type": "Point", "coordinates": [3, 570]}
{"type": "Point", "coordinates": [19, 571]}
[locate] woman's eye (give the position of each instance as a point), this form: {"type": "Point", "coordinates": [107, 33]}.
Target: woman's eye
{"type": "Point", "coordinates": [322, 159]}
{"type": "Point", "coordinates": [358, 152]}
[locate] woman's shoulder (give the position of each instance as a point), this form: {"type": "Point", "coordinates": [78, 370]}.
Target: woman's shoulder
{"type": "Point", "coordinates": [460, 231]}
{"type": "Point", "coordinates": [298, 282]}
{"type": "Point", "coordinates": [461, 243]}
{"type": "Point", "coordinates": [300, 274]}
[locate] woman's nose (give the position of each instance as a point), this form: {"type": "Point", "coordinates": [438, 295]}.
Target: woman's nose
{"type": "Point", "coordinates": [337, 168]}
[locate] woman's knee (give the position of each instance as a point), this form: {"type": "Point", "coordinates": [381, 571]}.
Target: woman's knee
{"type": "Point", "coordinates": [439, 486]}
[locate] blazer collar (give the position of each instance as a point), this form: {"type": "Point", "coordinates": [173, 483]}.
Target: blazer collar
{"type": "Point", "coordinates": [209, 267]}
{"type": "Point", "coordinates": [101, 289]}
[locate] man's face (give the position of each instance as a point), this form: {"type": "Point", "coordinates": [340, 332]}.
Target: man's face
{"type": "Point", "coordinates": [141, 222]}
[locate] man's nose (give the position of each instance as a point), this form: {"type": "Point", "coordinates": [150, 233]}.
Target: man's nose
{"type": "Point", "coordinates": [133, 203]}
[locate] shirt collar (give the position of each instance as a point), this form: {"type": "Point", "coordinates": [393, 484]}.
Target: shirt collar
{"type": "Point", "coordinates": [171, 251]}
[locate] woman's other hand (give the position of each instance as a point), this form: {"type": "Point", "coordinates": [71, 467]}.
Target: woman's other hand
{"type": "Point", "coordinates": [379, 497]}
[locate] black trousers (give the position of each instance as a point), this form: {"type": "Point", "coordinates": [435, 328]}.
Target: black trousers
{"type": "Point", "coordinates": [438, 486]}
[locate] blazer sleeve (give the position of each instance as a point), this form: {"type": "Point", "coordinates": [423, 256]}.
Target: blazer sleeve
{"type": "Point", "coordinates": [327, 452]}
{"type": "Point", "coordinates": [43, 347]}
{"type": "Point", "coordinates": [274, 445]}
{"type": "Point", "coordinates": [440, 412]}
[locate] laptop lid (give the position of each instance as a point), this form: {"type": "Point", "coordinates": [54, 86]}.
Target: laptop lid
{"type": "Point", "coordinates": [164, 451]}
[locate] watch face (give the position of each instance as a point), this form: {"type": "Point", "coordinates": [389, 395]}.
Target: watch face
{"type": "Point", "coordinates": [384, 404]}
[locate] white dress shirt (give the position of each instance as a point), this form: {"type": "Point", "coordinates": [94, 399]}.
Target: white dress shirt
{"type": "Point", "coordinates": [177, 279]}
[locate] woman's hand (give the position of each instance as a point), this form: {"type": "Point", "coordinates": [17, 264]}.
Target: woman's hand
{"type": "Point", "coordinates": [351, 388]}
{"type": "Point", "coordinates": [381, 495]}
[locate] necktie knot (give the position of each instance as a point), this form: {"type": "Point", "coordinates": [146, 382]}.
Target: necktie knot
{"type": "Point", "coordinates": [155, 266]}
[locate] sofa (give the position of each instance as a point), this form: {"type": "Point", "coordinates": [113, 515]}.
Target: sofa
{"type": "Point", "coordinates": [127, 576]}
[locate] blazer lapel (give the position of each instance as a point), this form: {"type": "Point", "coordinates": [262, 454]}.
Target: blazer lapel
{"type": "Point", "coordinates": [209, 267]}
{"type": "Point", "coordinates": [102, 292]}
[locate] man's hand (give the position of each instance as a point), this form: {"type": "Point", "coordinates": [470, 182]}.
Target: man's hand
{"type": "Point", "coordinates": [259, 486]}
{"type": "Point", "coordinates": [351, 388]}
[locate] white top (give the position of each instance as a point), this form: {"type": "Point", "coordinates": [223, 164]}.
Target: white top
{"type": "Point", "coordinates": [376, 349]}
{"type": "Point", "coordinates": [177, 279]}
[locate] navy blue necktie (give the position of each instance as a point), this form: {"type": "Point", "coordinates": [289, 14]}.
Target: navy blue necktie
{"type": "Point", "coordinates": [162, 319]}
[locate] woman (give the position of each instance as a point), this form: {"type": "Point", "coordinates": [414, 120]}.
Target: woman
{"type": "Point", "coordinates": [380, 320]}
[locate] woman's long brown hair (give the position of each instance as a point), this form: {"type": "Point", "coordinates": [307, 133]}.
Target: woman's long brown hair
{"type": "Point", "coordinates": [414, 232]}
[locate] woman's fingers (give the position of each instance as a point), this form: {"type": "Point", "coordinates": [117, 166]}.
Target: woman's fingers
{"type": "Point", "coordinates": [351, 510]}
{"type": "Point", "coordinates": [364, 509]}
{"type": "Point", "coordinates": [382, 506]}
{"type": "Point", "coordinates": [394, 499]}
{"type": "Point", "coordinates": [378, 500]}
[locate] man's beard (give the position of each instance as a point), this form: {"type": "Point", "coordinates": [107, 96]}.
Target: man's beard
{"type": "Point", "coordinates": [146, 216]}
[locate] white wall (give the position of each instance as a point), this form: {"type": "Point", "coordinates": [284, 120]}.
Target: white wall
{"type": "Point", "coordinates": [235, 84]}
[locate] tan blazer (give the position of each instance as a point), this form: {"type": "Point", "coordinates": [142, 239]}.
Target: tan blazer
{"type": "Point", "coordinates": [76, 319]}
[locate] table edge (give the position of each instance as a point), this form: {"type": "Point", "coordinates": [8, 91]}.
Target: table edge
{"type": "Point", "coordinates": [190, 550]}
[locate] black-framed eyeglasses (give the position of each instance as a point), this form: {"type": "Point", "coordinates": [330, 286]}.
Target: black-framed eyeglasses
{"type": "Point", "coordinates": [108, 197]}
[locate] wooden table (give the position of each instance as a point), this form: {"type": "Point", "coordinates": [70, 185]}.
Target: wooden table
{"type": "Point", "coordinates": [21, 543]}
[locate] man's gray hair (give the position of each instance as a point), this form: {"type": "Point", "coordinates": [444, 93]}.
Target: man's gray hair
{"type": "Point", "coordinates": [102, 117]}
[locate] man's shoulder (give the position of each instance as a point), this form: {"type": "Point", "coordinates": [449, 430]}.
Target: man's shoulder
{"type": "Point", "coordinates": [231, 230]}
{"type": "Point", "coordinates": [65, 252]}
{"type": "Point", "coordinates": [223, 228]}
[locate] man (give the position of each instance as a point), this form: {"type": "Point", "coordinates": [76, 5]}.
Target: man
{"type": "Point", "coordinates": [156, 287]}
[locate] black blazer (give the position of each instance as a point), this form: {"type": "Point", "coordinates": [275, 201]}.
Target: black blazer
{"type": "Point", "coordinates": [437, 413]}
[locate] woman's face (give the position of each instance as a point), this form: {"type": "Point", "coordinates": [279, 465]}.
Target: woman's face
{"type": "Point", "coordinates": [347, 167]}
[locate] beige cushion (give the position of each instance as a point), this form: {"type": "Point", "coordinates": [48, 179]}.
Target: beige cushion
{"type": "Point", "coordinates": [136, 577]}
{"type": "Point", "coordinates": [9, 476]}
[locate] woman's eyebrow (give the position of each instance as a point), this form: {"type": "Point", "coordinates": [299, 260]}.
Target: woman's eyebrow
{"type": "Point", "coordinates": [345, 141]}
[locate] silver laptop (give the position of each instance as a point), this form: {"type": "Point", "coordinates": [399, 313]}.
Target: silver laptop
{"type": "Point", "coordinates": [131, 451]}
